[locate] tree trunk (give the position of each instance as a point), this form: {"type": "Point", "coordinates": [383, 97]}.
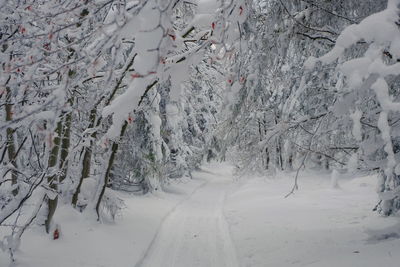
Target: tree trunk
{"type": "Point", "coordinates": [289, 164]}
{"type": "Point", "coordinates": [114, 151]}
{"type": "Point", "coordinates": [10, 141]}
{"type": "Point", "coordinates": [87, 157]}
{"type": "Point", "coordinates": [65, 143]}
{"type": "Point", "coordinates": [52, 180]}
{"type": "Point", "coordinates": [279, 160]}
{"type": "Point", "coordinates": [326, 163]}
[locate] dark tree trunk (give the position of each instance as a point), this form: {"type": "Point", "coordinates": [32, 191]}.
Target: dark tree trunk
{"type": "Point", "coordinates": [10, 141]}
{"type": "Point", "coordinates": [114, 150]}
{"type": "Point", "coordinates": [53, 179]}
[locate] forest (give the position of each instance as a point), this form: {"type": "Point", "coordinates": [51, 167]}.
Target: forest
{"type": "Point", "coordinates": [114, 111]}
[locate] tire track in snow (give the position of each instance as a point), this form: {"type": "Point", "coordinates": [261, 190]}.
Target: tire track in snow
{"type": "Point", "coordinates": [195, 232]}
{"type": "Point", "coordinates": [147, 251]}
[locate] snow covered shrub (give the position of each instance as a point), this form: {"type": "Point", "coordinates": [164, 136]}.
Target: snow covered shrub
{"type": "Point", "coordinates": [111, 206]}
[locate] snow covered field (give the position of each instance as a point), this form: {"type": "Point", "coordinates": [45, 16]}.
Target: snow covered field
{"type": "Point", "coordinates": [317, 226]}
{"type": "Point", "coordinates": [214, 220]}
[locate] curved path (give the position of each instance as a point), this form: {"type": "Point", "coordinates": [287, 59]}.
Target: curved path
{"type": "Point", "coordinates": [195, 233]}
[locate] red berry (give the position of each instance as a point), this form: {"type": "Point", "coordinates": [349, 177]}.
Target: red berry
{"type": "Point", "coordinates": [56, 234]}
{"type": "Point", "coordinates": [172, 36]}
{"type": "Point", "coordinates": [135, 75]}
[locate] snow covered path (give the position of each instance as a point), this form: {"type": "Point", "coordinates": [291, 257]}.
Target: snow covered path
{"type": "Point", "coordinates": [318, 226]}
{"type": "Point", "coordinates": [196, 233]}
{"type": "Point", "coordinates": [214, 221]}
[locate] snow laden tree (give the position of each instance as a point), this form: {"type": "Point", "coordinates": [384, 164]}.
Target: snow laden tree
{"type": "Point", "coordinates": [44, 60]}
{"type": "Point", "coordinates": [185, 108]}
{"type": "Point", "coordinates": [284, 117]}
{"type": "Point", "coordinates": [77, 75]}
{"type": "Point", "coordinates": [370, 95]}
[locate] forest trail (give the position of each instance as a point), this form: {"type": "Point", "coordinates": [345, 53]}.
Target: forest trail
{"type": "Point", "coordinates": [214, 221]}
{"type": "Point", "coordinates": [195, 233]}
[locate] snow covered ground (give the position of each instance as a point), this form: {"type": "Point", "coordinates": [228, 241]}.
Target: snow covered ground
{"type": "Point", "coordinates": [196, 233]}
{"type": "Point", "coordinates": [317, 226]}
{"type": "Point", "coordinates": [86, 243]}
{"type": "Point", "coordinates": [213, 220]}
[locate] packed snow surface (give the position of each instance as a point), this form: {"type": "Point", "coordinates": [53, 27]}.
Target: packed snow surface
{"type": "Point", "coordinates": [217, 220]}
{"type": "Point", "coordinates": [196, 233]}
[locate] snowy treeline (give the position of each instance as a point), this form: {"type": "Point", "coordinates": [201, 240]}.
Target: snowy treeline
{"type": "Point", "coordinates": [339, 111]}
{"type": "Point", "coordinates": [106, 95]}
